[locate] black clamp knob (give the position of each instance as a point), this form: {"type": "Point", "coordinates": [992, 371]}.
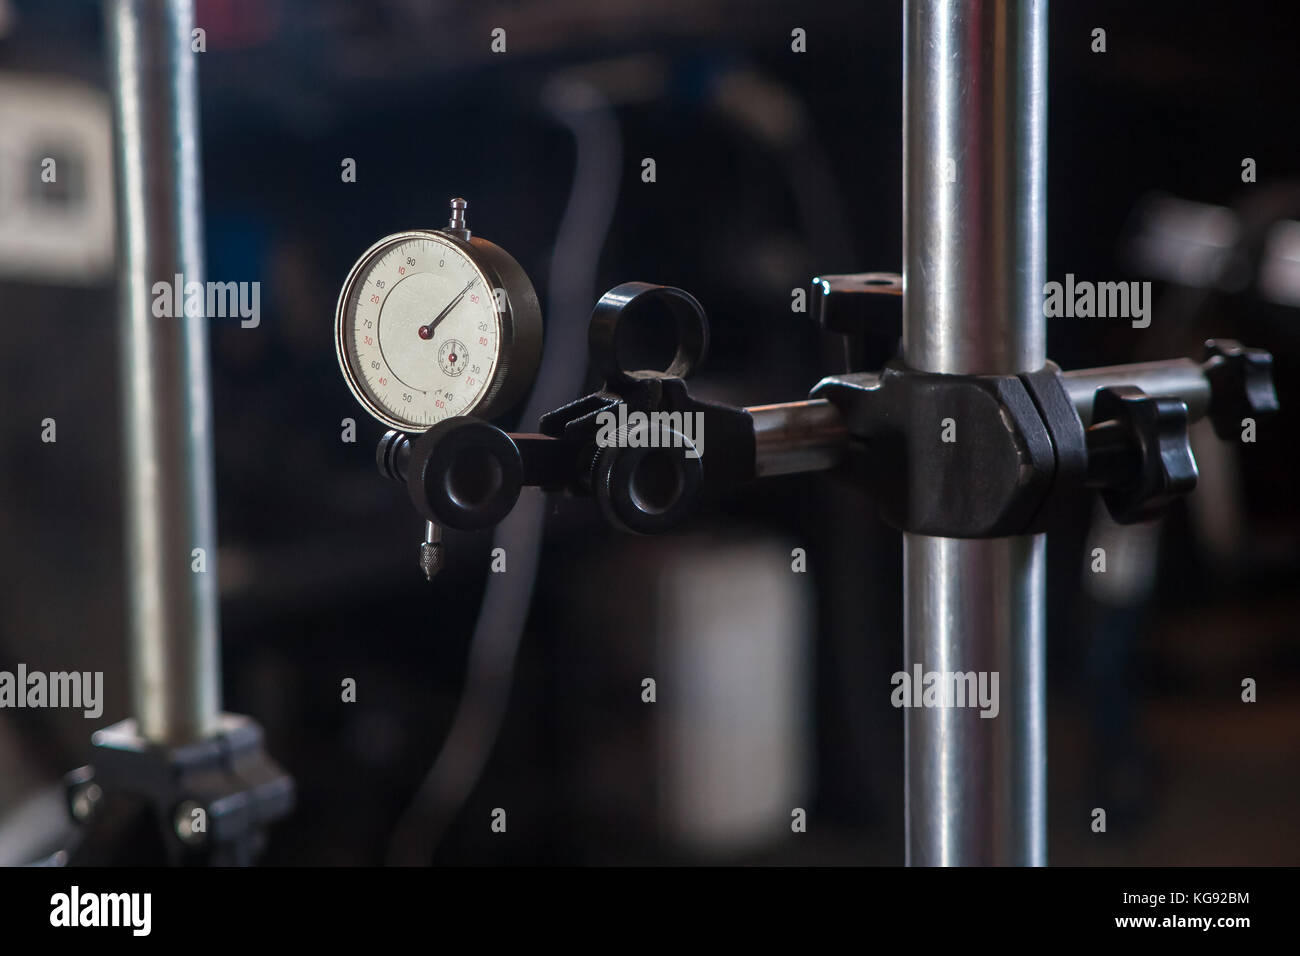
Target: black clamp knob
{"type": "Point", "coordinates": [1139, 454]}
{"type": "Point", "coordinates": [636, 445]}
{"type": "Point", "coordinates": [647, 490]}
{"type": "Point", "coordinates": [1241, 384]}
{"type": "Point", "coordinates": [866, 308]}
{"type": "Point", "coordinates": [464, 473]}
{"type": "Point", "coordinates": [643, 433]}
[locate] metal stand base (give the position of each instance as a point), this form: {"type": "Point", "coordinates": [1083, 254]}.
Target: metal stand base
{"type": "Point", "coordinates": [207, 803]}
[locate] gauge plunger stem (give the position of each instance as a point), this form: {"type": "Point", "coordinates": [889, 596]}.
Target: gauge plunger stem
{"type": "Point", "coordinates": [457, 225]}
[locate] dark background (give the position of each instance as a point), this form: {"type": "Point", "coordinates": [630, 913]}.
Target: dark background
{"type": "Point", "coordinates": [772, 167]}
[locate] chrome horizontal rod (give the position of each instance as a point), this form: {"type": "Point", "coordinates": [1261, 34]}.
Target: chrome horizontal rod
{"type": "Point", "coordinates": [1175, 378]}
{"type": "Point", "coordinates": [811, 436]}
{"type": "Point", "coordinates": [797, 436]}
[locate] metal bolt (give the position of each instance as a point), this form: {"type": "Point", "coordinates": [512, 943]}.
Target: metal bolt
{"type": "Point", "coordinates": [84, 800]}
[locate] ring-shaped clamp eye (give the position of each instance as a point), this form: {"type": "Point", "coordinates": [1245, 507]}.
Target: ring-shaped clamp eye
{"type": "Point", "coordinates": [692, 328]}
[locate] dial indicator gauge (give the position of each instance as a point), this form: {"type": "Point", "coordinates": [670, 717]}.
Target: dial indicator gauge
{"type": "Point", "coordinates": [430, 325]}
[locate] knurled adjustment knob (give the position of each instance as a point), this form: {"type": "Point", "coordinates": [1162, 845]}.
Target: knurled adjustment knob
{"type": "Point", "coordinates": [463, 473]}
{"type": "Point", "coordinates": [1139, 455]}
{"type": "Point", "coordinates": [1241, 384]}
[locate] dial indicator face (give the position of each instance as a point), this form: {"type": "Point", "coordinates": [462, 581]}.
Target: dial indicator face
{"type": "Point", "coordinates": [418, 331]}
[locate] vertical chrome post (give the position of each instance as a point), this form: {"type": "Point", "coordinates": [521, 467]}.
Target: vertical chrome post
{"type": "Point", "coordinates": [167, 415]}
{"type": "Point", "coordinates": [974, 254]}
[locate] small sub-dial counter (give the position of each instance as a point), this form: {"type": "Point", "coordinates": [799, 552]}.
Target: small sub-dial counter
{"type": "Point", "coordinates": [453, 357]}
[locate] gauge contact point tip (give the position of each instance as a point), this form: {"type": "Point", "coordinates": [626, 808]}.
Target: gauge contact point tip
{"type": "Point", "coordinates": [431, 560]}
{"type": "Point", "coordinates": [432, 555]}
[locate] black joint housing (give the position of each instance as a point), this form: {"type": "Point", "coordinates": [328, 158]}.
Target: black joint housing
{"type": "Point", "coordinates": [955, 456]}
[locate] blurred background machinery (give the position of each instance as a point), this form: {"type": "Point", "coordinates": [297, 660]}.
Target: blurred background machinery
{"type": "Point", "coordinates": [771, 166]}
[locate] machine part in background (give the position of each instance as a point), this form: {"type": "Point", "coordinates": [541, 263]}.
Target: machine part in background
{"type": "Point", "coordinates": [1131, 560]}
{"type": "Point", "coordinates": [1241, 385]}
{"type": "Point", "coordinates": [56, 182]}
{"type": "Point", "coordinates": [1279, 273]}
{"type": "Point", "coordinates": [1220, 521]}
{"type": "Point", "coordinates": [1217, 248]}
{"type": "Point", "coordinates": [435, 323]}
{"type": "Point", "coordinates": [1189, 243]}
{"type": "Point", "coordinates": [733, 638]}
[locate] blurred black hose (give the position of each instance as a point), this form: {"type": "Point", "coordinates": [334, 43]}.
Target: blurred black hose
{"type": "Point", "coordinates": [593, 196]}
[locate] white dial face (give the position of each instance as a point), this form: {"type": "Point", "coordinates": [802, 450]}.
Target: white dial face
{"type": "Point", "coordinates": [420, 332]}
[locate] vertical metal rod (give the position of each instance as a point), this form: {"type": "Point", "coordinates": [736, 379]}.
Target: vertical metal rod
{"type": "Point", "coordinates": [167, 414]}
{"type": "Point", "coordinates": [974, 253]}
